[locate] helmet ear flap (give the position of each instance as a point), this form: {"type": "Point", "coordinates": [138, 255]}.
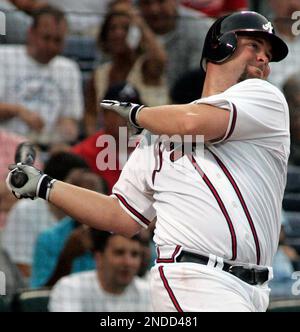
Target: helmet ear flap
{"type": "Point", "coordinates": [220, 48]}
{"type": "Point", "coordinates": [224, 48]}
{"type": "Point", "coordinates": [227, 45]}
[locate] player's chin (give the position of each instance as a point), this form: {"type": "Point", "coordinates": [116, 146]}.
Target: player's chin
{"type": "Point", "coordinates": [254, 72]}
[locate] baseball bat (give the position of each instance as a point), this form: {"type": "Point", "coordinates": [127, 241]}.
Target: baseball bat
{"type": "Point", "coordinates": [25, 154]}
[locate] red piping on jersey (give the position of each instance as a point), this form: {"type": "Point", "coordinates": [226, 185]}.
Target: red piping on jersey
{"type": "Point", "coordinates": [167, 260]}
{"type": "Point", "coordinates": [220, 203]}
{"type": "Point", "coordinates": [132, 210]}
{"type": "Point", "coordinates": [242, 201]}
{"type": "Point", "coordinates": [233, 122]}
{"type": "Point", "coordinates": [160, 163]}
{"type": "Point", "coordinates": [169, 290]}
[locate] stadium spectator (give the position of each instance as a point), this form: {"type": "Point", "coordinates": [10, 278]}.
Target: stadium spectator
{"type": "Point", "coordinates": [65, 247]}
{"type": "Point", "coordinates": [28, 218]}
{"type": "Point", "coordinates": [182, 34]}
{"type": "Point", "coordinates": [13, 278]}
{"type": "Point", "coordinates": [216, 8]}
{"type": "Point", "coordinates": [133, 54]}
{"type": "Point", "coordinates": [92, 147]}
{"type": "Point", "coordinates": [285, 27]}
{"type": "Point", "coordinates": [291, 89]}
{"type": "Point", "coordinates": [283, 267]}
{"type": "Point", "coordinates": [9, 143]}
{"type": "Point", "coordinates": [41, 92]}
{"type": "Point", "coordinates": [112, 287]}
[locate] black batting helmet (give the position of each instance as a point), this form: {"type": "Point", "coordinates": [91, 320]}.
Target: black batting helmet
{"type": "Point", "coordinates": [221, 39]}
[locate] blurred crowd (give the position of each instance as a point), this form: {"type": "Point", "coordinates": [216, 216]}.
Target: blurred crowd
{"type": "Point", "coordinates": [58, 59]}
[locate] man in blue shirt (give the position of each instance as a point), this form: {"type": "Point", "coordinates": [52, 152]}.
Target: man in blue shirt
{"type": "Point", "coordinates": [65, 247]}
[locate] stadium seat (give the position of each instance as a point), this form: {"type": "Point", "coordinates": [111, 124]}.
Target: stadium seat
{"type": "Point", "coordinates": [31, 300]}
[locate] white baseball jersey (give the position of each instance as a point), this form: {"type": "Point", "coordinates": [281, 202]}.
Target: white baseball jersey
{"type": "Point", "coordinates": [227, 200]}
{"type": "Point", "coordinates": [82, 292]}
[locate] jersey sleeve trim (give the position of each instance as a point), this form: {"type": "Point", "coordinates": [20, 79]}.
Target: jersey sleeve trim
{"type": "Point", "coordinates": [233, 122]}
{"type": "Point", "coordinates": [231, 125]}
{"type": "Point", "coordinates": [132, 211]}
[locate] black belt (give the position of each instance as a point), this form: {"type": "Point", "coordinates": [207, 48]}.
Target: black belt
{"type": "Point", "coordinates": [251, 276]}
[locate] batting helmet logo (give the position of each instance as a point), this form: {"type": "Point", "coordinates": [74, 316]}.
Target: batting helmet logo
{"type": "Point", "coordinates": [268, 27]}
{"type": "Point", "coordinates": [221, 39]}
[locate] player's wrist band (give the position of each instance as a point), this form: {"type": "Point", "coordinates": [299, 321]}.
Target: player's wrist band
{"type": "Point", "coordinates": [133, 115]}
{"type": "Point", "coordinates": [44, 186]}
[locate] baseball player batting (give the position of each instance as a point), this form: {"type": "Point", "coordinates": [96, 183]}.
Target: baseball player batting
{"type": "Point", "coordinates": [218, 213]}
